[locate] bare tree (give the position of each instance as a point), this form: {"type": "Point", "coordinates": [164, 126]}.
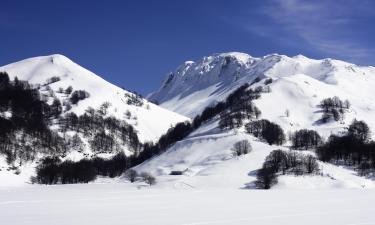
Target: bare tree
{"type": "Point", "coordinates": [148, 178]}
{"type": "Point", "coordinates": [311, 164]}
{"type": "Point", "coordinates": [266, 178]}
{"type": "Point", "coordinates": [241, 148]}
{"type": "Point", "coordinates": [287, 113]}
{"type": "Point", "coordinates": [131, 175]}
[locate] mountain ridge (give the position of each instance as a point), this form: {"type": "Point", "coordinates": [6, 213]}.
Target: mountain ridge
{"type": "Point", "coordinates": [224, 72]}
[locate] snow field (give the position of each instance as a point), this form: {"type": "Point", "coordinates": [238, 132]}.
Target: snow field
{"type": "Point", "coordinates": [122, 203]}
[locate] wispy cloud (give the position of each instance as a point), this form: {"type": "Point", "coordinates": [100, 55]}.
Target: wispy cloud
{"type": "Point", "coordinates": [326, 26]}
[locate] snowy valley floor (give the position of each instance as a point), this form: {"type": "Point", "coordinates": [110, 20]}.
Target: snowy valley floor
{"type": "Point", "coordinates": [119, 203]}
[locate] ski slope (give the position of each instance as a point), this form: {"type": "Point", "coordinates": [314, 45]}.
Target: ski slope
{"type": "Point", "coordinates": [122, 203]}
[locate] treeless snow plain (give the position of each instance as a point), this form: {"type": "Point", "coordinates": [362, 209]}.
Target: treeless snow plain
{"type": "Point", "coordinates": [121, 203]}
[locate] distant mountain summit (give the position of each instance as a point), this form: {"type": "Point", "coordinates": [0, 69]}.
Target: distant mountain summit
{"type": "Point", "coordinates": [196, 85]}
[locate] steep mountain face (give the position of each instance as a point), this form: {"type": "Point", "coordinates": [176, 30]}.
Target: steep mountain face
{"type": "Point", "coordinates": [149, 120]}
{"type": "Point", "coordinates": [196, 85]}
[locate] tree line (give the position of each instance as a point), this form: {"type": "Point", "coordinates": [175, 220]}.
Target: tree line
{"type": "Point", "coordinates": [51, 170]}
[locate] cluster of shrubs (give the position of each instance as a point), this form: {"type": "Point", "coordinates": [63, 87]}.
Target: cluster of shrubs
{"type": "Point", "coordinates": [354, 148]}
{"type": "Point", "coordinates": [51, 80]}
{"type": "Point", "coordinates": [241, 148]}
{"type": "Point", "coordinates": [333, 108]}
{"type": "Point", "coordinates": [134, 99]}
{"type": "Point", "coordinates": [78, 95]}
{"type": "Point", "coordinates": [133, 176]}
{"type": "Point", "coordinates": [305, 139]}
{"type": "Point", "coordinates": [268, 81]}
{"type": "Point", "coordinates": [267, 131]}
{"type": "Point", "coordinates": [281, 162]}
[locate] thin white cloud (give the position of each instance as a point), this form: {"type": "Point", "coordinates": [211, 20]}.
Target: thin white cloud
{"type": "Point", "coordinates": [326, 26]}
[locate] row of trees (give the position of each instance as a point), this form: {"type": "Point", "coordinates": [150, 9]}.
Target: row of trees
{"type": "Point", "coordinates": [52, 170]}
{"type": "Point", "coordinates": [281, 162]}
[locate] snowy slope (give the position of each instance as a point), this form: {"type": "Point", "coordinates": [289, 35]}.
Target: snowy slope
{"type": "Point", "coordinates": [149, 120]}
{"type": "Point", "coordinates": [196, 85]}
{"type": "Point", "coordinates": [207, 156]}
{"type": "Point", "coordinates": [298, 86]}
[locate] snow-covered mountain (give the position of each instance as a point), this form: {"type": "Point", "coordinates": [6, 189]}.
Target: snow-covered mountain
{"type": "Point", "coordinates": [53, 75]}
{"type": "Point", "coordinates": [292, 101]}
{"type": "Point", "coordinates": [150, 120]}
{"type": "Point", "coordinates": [292, 91]}
{"type": "Point", "coordinates": [196, 85]}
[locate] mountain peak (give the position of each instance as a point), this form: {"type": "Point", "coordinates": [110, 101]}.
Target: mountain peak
{"type": "Point", "coordinates": [213, 77]}
{"type": "Point", "coordinates": [57, 72]}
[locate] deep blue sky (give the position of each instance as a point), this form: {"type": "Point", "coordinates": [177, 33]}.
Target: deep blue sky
{"type": "Point", "coordinates": [135, 43]}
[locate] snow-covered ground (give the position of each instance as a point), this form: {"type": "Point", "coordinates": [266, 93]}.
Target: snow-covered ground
{"type": "Point", "coordinates": [122, 203]}
{"type": "Point", "coordinates": [207, 158]}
